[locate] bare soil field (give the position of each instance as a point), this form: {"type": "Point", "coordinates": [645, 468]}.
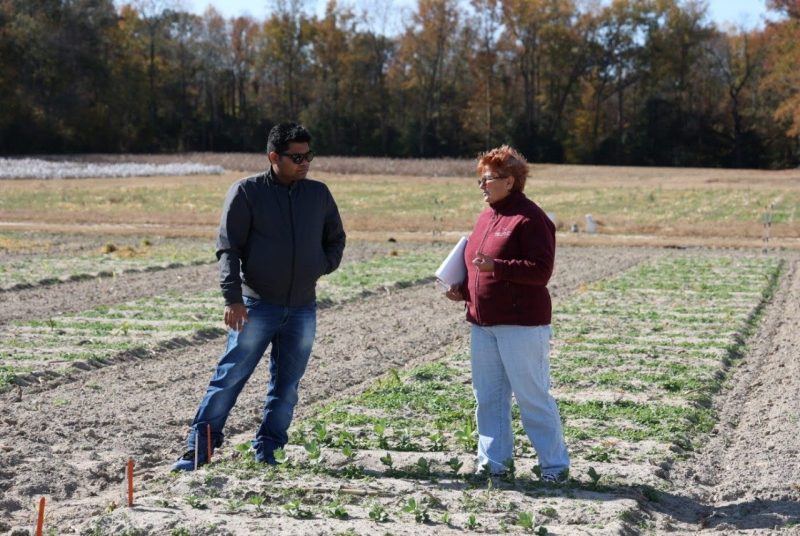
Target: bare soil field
{"type": "Point", "coordinates": [702, 374]}
{"type": "Point", "coordinates": [69, 439]}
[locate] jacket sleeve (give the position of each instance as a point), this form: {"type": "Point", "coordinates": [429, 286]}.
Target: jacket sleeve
{"type": "Point", "coordinates": [333, 235]}
{"type": "Point", "coordinates": [537, 243]}
{"type": "Point", "coordinates": [234, 228]}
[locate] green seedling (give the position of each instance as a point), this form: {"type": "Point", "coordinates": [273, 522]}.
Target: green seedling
{"type": "Point", "coordinates": [594, 475]}
{"type": "Point", "coordinates": [314, 451]}
{"type": "Point", "coordinates": [336, 510]}
{"type": "Point", "coordinates": [472, 522]}
{"type": "Point", "coordinates": [549, 511]}
{"type": "Point", "coordinates": [378, 514]}
{"type": "Point", "coordinates": [423, 468]}
{"type": "Point", "coordinates": [510, 472]}
{"type": "Point", "coordinates": [196, 502]}
{"type": "Point", "coordinates": [234, 504]}
{"type": "Point", "coordinates": [601, 453]}
{"type": "Point", "coordinates": [280, 456]}
{"type": "Point", "coordinates": [466, 435]}
{"type": "Point", "coordinates": [297, 510]}
{"type": "Point", "coordinates": [537, 471]}
{"type": "Point", "coordinates": [404, 441]}
{"type": "Point", "coordinates": [446, 518]}
{"type": "Point", "coordinates": [344, 438]}
{"type": "Point", "coordinates": [257, 501]}
{"type": "Point", "coordinates": [486, 473]}
{"type": "Point", "coordinates": [437, 441]}
{"type": "Point", "coordinates": [420, 514]}
{"type": "Point", "coordinates": [349, 452]}
{"type": "Point", "coordinates": [352, 471]}
{"type": "Point", "coordinates": [387, 460]}
{"type": "Point", "coordinates": [455, 465]}
{"type": "Point", "coordinates": [526, 520]}
{"type": "Point", "coordinates": [321, 433]}
{"type": "Point", "coordinates": [380, 430]}
{"type": "Point", "coordinates": [394, 377]}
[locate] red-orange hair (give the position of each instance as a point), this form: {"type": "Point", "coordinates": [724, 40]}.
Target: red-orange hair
{"type": "Point", "coordinates": [506, 161]}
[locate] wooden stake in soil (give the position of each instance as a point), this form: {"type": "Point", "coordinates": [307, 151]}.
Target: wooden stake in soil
{"type": "Point", "coordinates": [40, 519]}
{"type": "Point", "coordinates": [208, 437]}
{"type": "Point", "coordinates": [130, 482]}
{"type": "Point", "coordinates": [196, 450]}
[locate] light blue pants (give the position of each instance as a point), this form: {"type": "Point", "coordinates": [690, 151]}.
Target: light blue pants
{"type": "Point", "coordinates": [515, 359]}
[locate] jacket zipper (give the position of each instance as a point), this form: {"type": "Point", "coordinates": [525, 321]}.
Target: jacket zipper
{"type": "Point", "coordinates": [291, 228]}
{"type": "Point", "coordinates": [477, 270]}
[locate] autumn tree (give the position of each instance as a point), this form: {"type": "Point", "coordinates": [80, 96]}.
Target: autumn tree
{"type": "Point", "coordinates": [424, 72]}
{"type": "Point", "coordinates": [487, 68]}
{"type": "Point", "coordinates": [283, 61]}
{"type": "Point", "coordinates": [643, 82]}
{"type": "Point", "coordinates": [783, 75]}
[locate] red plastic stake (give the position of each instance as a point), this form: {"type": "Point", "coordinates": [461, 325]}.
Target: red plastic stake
{"type": "Point", "coordinates": [40, 520]}
{"type": "Point", "coordinates": [130, 482]}
{"type": "Point", "coordinates": [208, 435]}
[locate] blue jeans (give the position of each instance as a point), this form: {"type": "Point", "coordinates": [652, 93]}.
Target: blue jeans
{"type": "Point", "coordinates": [291, 331]}
{"type": "Point", "coordinates": [515, 359]}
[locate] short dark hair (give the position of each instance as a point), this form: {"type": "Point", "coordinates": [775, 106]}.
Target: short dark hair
{"type": "Point", "coordinates": [281, 135]}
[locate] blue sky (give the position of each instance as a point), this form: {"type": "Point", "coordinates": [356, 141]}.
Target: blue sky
{"type": "Point", "coordinates": [739, 12]}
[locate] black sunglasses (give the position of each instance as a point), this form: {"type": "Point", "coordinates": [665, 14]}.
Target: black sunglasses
{"type": "Point", "coordinates": [489, 178]}
{"type": "Point", "coordinates": [298, 158]}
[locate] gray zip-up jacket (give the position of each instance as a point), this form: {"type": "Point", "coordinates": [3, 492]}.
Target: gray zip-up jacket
{"type": "Point", "coordinates": [276, 241]}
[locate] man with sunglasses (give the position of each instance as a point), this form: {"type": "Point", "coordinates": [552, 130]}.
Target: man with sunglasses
{"type": "Point", "coordinates": [279, 232]}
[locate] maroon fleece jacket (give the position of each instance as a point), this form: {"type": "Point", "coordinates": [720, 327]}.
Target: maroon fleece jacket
{"type": "Point", "coordinates": [521, 239]}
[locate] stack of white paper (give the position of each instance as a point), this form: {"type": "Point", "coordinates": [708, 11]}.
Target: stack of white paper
{"type": "Point", "coordinates": [453, 271]}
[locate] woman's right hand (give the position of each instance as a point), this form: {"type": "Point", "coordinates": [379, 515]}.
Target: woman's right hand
{"type": "Point", "coordinates": [454, 293]}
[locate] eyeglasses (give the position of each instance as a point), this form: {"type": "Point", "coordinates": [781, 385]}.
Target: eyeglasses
{"type": "Point", "coordinates": [298, 158]}
{"type": "Point", "coordinates": [489, 178]}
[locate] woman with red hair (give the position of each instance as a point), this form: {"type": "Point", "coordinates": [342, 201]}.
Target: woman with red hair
{"type": "Point", "coordinates": [509, 258]}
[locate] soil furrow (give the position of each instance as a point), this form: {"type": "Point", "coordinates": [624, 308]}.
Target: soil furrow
{"type": "Point", "coordinates": [43, 302]}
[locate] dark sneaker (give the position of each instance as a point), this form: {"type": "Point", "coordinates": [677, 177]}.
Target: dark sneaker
{"type": "Point", "coordinates": [558, 478]}
{"type": "Point", "coordinates": [265, 457]}
{"type": "Point", "coordinates": [187, 462]}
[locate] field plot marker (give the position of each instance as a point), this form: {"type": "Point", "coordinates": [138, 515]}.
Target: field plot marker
{"type": "Point", "coordinates": [196, 451]}
{"type": "Point", "coordinates": [767, 220]}
{"type": "Point", "coordinates": [208, 442]}
{"type": "Point", "coordinates": [130, 482]}
{"type": "Point", "coordinates": [40, 519]}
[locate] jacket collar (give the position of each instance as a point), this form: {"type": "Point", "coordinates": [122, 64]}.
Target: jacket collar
{"type": "Point", "coordinates": [507, 202]}
{"type": "Point", "coordinates": [272, 179]}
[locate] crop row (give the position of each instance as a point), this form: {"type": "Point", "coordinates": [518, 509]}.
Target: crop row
{"type": "Point", "coordinates": [102, 332]}
{"type": "Point", "coordinates": [634, 392]}
{"type": "Point", "coordinates": [107, 261]}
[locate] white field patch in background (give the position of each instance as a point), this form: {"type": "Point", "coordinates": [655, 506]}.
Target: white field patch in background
{"type": "Point", "coordinates": [32, 168]}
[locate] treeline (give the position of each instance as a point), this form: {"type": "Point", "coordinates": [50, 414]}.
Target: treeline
{"type": "Point", "coordinates": [641, 82]}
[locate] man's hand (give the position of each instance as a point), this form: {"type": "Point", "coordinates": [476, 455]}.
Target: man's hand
{"type": "Point", "coordinates": [453, 293]}
{"type": "Point", "coordinates": [483, 262]}
{"type": "Point", "coordinates": [235, 316]}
